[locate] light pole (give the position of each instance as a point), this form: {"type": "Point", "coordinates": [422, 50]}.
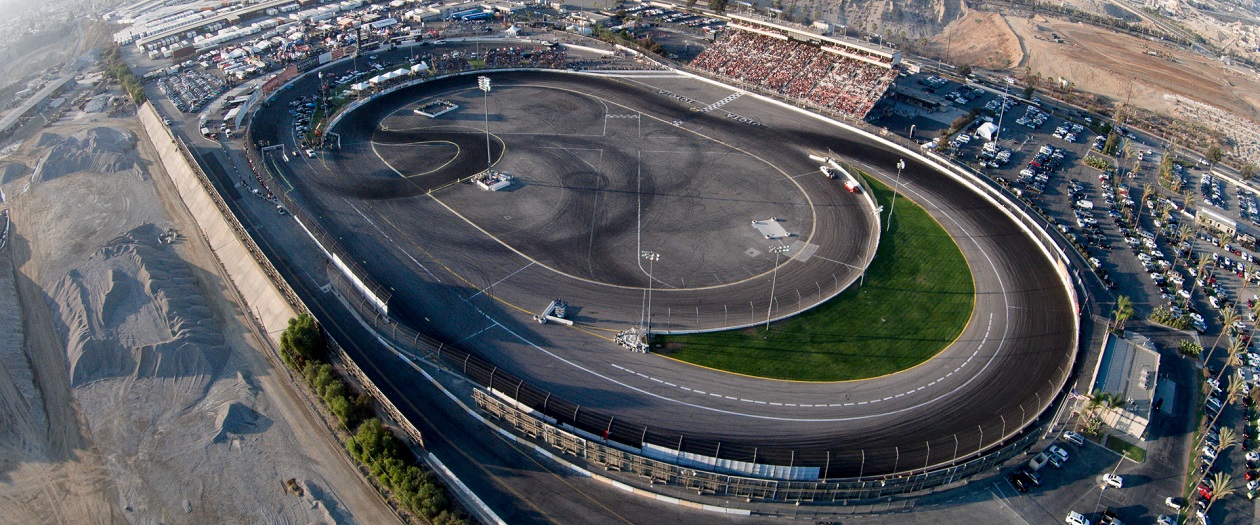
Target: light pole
{"type": "Point", "coordinates": [901, 164]}
{"type": "Point", "coordinates": [651, 258]}
{"type": "Point", "coordinates": [778, 250]}
{"type": "Point", "coordinates": [1005, 92]}
{"type": "Point", "coordinates": [483, 82]}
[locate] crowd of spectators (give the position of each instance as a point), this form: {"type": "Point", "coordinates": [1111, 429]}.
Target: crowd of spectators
{"type": "Point", "coordinates": [812, 74]}
{"type": "Point", "coordinates": [454, 62]}
{"type": "Point", "coordinates": [518, 57]}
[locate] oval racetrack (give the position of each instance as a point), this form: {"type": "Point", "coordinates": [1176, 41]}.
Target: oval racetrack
{"type": "Point", "coordinates": [610, 167]}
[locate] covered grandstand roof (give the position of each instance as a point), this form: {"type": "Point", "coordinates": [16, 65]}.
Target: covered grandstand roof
{"type": "Point", "coordinates": [873, 54]}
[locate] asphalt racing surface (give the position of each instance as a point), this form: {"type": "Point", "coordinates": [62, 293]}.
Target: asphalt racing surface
{"type": "Point", "coordinates": [608, 167]}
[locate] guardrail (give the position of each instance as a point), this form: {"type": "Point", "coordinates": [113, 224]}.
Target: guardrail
{"type": "Point", "coordinates": [655, 472]}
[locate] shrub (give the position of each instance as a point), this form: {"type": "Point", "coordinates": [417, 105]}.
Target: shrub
{"type": "Point", "coordinates": [302, 341]}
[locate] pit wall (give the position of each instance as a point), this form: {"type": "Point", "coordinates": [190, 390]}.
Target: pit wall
{"type": "Point", "coordinates": [232, 247]}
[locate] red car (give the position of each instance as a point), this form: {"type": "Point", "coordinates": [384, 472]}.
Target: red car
{"type": "Point", "coordinates": [1205, 492]}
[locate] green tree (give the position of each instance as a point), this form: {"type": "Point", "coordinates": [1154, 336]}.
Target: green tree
{"type": "Point", "coordinates": [1028, 91]}
{"type": "Point", "coordinates": [343, 409]}
{"type": "Point", "coordinates": [1214, 156]}
{"type": "Point", "coordinates": [1112, 145]}
{"type": "Point", "coordinates": [691, 4]}
{"type": "Point", "coordinates": [302, 341]}
{"type": "Point", "coordinates": [1247, 171]}
{"type": "Point", "coordinates": [1190, 348]}
{"type": "Point", "coordinates": [964, 70]}
{"type": "Point", "coordinates": [325, 377]}
{"type": "Point", "coordinates": [718, 6]}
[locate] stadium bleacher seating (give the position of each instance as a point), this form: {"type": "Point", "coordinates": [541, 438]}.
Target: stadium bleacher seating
{"type": "Point", "coordinates": [809, 73]}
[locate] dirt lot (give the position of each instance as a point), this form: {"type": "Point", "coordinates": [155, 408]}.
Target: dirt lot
{"type": "Point", "coordinates": [1108, 63]}
{"type": "Point", "coordinates": [131, 387]}
{"type": "Point", "coordinates": [981, 39]}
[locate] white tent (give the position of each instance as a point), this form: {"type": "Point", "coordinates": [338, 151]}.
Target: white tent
{"type": "Point", "coordinates": [987, 130]}
{"type": "Point", "coordinates": [512, 31]}
{"type": "Point", "coordinates": [376, 79]}
{"type": "Point", "coordinates": [360, 86]}
{"type": "Point", "coordinates": [419, 67]}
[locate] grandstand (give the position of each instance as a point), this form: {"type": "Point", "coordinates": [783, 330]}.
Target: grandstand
{"type": "Point", "coordinates": [818, 71]}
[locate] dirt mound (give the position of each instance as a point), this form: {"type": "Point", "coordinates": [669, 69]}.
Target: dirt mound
{"type": "Point", "coordinates": [134, 309]}
{"type": "Point", "coordinates": [980, 39]}
{"type": "Point", "coordinates": [12, 171]}
{"type": "Point", "coordinates": [916, 18]}
{"type": "Point", "coordinates": [95, 150]}
{"type": "Point", "coordinates": [237, 419]}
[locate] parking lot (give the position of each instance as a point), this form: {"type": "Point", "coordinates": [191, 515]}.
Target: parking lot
{"type": "Point", "coordinates": [1138, 232]}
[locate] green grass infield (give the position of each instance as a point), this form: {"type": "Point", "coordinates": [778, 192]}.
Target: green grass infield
{"type": "Point", "coordinates": [917, 298]}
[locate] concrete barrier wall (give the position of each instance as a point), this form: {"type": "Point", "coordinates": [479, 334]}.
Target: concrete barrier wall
{"type": "Point", "coordinates": [263, 300]}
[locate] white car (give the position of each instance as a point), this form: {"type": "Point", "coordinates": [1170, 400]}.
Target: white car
{"type": "Point", "coordinates": [1166, 519]}
{"type": "Point", "coordinates": [1074, 438]}
{"type": "Point", "coordinates": [1113, 480]}
{"type": "Point", "coordinates": [1253, 456]}
{"type": "Point", "coordinates": [310, 153]}
{"type": "Point", "coordinates": [1076, 518]}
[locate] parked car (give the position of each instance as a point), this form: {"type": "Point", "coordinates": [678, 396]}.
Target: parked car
{"type": "Point", "coordinates": [1056, 450]}
{"type": "Point", "coordinates": [1113, 480]}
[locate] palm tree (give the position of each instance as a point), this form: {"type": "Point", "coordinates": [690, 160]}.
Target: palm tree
{"type": "Point", "coordinates": [1234, 359]}
{"type": "Point", "coordinates": [1200, 271]}
{"type": "Point", "coordinates": [1147, 191]}
{"type": "Point", "coordinates": [1222, 485]}
{"type": "Point", "coordinates": [1255, 312]}
{"type": "Point", "coordinates": [1228, 316]}
{"type": "Point", "coordinates": [1224, 237]}
{"type": "Point", "coordinates": [1165, 211]}
{"type": "Point", "coordinates": [1227, 441]}
{"type": "Point", "coordinates": [1122, 312]}
{"type": "Point", "coordinates": [1183, 235]}
{"type": "Point", "coordinates": [1233, 393]}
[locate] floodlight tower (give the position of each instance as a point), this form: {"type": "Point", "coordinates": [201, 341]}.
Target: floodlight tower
{"type": "Point", "coordinates": [651, 257]}
{"type": "Point", "coordinates": [778, 250]}
{"type": "Point", "coordinates": [901, 165]}
{"type": "Point", "coordinates": [483, 83]}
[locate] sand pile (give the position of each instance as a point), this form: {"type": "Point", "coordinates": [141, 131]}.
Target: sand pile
{"type": "Point", "coordinates": [95, 150]}
{"type": "Point", "coordinates": [130, 388]}
{"type": "Point", "coordinates": [133, 310]}
{"type": "Point", "coordinates": [21, 403]}
{"type": "Point", "coordinates": [181, 425]}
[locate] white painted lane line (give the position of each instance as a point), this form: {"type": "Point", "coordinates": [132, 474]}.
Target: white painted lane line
{"type": "Point", "coordinates": [496, 283]}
